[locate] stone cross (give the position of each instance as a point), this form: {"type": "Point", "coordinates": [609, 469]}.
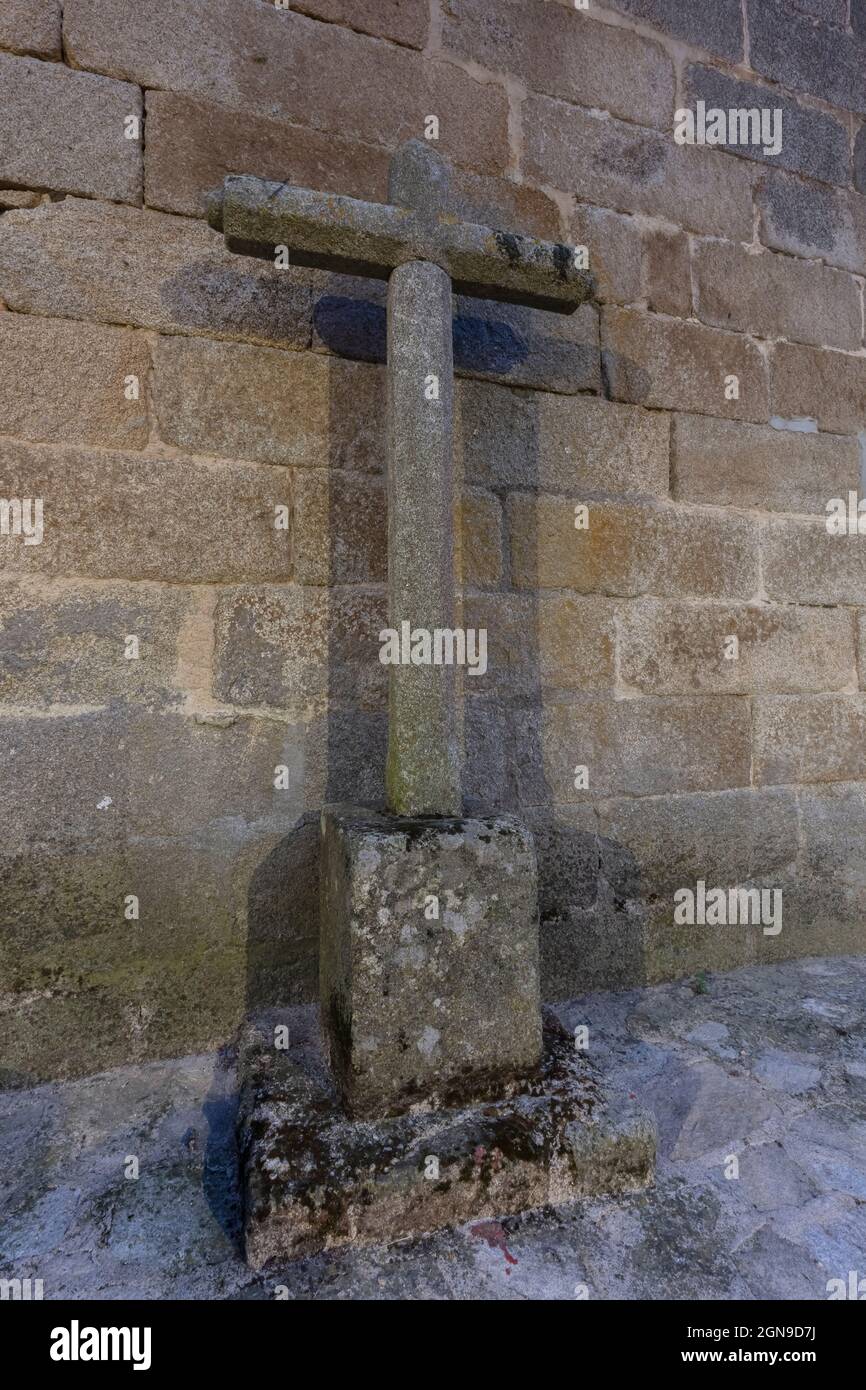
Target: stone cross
{"type": "Point", "coordinates": [425, 253]}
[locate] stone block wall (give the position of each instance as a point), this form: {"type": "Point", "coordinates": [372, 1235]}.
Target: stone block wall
{"type": "Point", "coordinates": [206, 433]}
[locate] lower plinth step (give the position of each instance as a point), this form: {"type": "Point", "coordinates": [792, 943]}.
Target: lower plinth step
{"type": "Point", "coordinates": [313, 1179]}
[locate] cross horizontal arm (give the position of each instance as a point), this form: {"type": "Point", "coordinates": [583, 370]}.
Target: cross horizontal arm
{"type": "Point", "coordinates": [353, 237]}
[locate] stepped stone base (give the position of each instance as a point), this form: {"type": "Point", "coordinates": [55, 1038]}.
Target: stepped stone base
{"type": "Point", "coordinates": [313, 1179]}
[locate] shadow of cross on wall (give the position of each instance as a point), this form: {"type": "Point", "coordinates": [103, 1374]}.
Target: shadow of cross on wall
{"type": "Point", "coordinates": [497, 340]}
{"type": "Point", "coordinates": [492, 341]}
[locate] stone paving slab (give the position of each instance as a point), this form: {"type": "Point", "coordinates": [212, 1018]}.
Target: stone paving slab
{"type": "Point", "coordinates": [764, 1063]}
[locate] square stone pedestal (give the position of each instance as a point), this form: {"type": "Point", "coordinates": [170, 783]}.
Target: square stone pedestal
{"type": "Point", "coordinates": [313, 1179]}
{"type": "Point", "coordinates": [428, 972]}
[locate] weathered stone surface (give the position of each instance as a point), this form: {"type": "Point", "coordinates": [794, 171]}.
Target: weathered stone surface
{"type": "Point", "coordinates": [297, 649]}
{"type": "Point", "coordinates": [66, 643]}
{"type": "Point", "coordinates": [546, 640]}
{"type": "Point", "coordinates": [833, 11]}
{"type": "Point", "coordinates": [279, 876]}
{"type": "Point", "coordinates": [423, 774]}
{"type": "Point", "coordinates": [84, 260]}
{"type": "Point", "coordinates": [641, 747]}
{"type": "Point", "coordinates": [557, 1139]}
{"type": "Point", "coordinates": [827, 387]}
{"type": "Point", "coordinates": [588, 934]}
{"type": "Point", "coordinates": [860, 161]}
{"type": "Point", "coordinates": [31, 26]}
{"type": "Point", "coordinates": [344, 757]}
{"type": "Point", "coordinates": [420, 1009]}
{"type": "Point", "coordinates": [131, 772]}
{"type": "Point", "coordinates": [158, 47]}
{"type": "Point", "coordinates": [745, 837]}
{"type": "Point", "coordinates": [340, 528]}
{"type": "Point", "coordinates": [722, 1108]}
{"type": "Point", "coordinates": [403, 21]}
{"type": "Point", "coordinates": [730, 464]}
{"type": "Point", "coordinates": [75, 130]}
{"type": "Point", "coordinates": [67, 382]}
{"type": "Point", "coordinates": [85, 932]}
{"type": "Point", "coordinates": [782, 1073]}
{"type": "Point", "coordinates": [243, 402]}
{"type": "Point", "coordinates": [719, 30]}
{"type": "Point", "coordinates": [813, 142]}
{"type": "Point", "coordinates": [813, 219]}
{"type": "Point", "coordinates": [629, 549]}
{"type": "Point", "coordinates": [666, 270]}
{"type": "Point", "coordinates": [667, 364]}
{"type": "Point", "coordinates": [333, 232]}
{"type": "Point", "coordinates": [565, 54]}
{"type": "Point", "coordinates": [634, 169]}
{"type": "Point", "coordinates": [566, 845]}
{"type": "Point", "coordinates": [256, 58]}
{"type": "Point", "coordinates": [515, 207]}
{"type": "Point", "coordinates": [350, 316]}
{"type": "Point", "coordinates": [801, 563]}
{"type": "Point", "coordinates": [534, 439]}
{"type": "Point", "coordinates": [680, 649]}
{"type": "Point", "coordinates": [528, 755]}
{"type": "Point", "coordinates": [19, 198]}
{"type": "Point", "coordinates": [192, 144]}
{"type": "Point", "coordinates": [616, 251]}
{"type": "Point", "coordinates": [831, 897]}
{"type": "Point", "coordinates": [861, 648]}
{"type": "Point", "coordinates": [419, 179]}
{"type": "Point", "coordinates": [805, 56]}
{"type": "Point", "coordinates": [776, 296]}
{"type": "Point", "coordinates": [478, 539]}
{"type": "Point", "coordinates": [113, 266]}
{"type": "Point", "coordinates": [486, 765]}
{"type": "Point", "coordinates": [113, 515]}
{"type": "Point", "coordinates": [92, 989]}
{"type": "Point", "coordinates": [818, 738]}
{"type": "Point", "coordinates": [830, 1147]}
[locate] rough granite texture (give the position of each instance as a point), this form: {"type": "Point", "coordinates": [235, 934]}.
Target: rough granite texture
{"type": "Point", "coordinates": [75, 138]}
{"type": "Point", "coordinates": [332, 232]}
{"type": "Point", "coordinates": [429, 963]}
{"type": "Point", "coordinates": [312, 1180]}
{"type": "Point", "coordinates": [423, 770]}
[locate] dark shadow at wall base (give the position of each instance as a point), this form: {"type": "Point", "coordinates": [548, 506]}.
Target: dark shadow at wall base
{"type": "Point", "coordinates": [283, 921]}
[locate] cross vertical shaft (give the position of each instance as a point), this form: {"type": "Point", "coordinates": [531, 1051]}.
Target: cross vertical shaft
{"type": "Point", "coordinates": [423, 770]}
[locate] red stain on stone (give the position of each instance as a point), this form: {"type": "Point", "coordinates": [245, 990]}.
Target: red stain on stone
{"type": "Point", "coordinates": [480, 1153]}
{"type": "Point", "coordinates": [492, 1232]}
